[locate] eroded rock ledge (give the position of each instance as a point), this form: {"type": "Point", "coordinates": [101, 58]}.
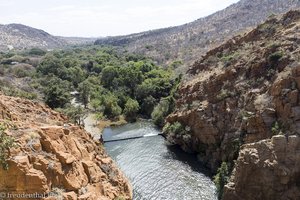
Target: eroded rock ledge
{"type": "Point", "coordinates": [268, 169]}
{"type": "Point", "coordinates": [55, 157]}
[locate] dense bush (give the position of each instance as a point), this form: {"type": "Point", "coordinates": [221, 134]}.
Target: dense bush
{"type": "Point", "coordinates": [57, 93]}
{"type": "Point", "coordinates": [160, 112]}
{"type": "Point", "coordinates": [131, 109]}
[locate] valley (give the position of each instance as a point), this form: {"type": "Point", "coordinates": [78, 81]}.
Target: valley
{"type": "Point", "coordinates": [212, 109]}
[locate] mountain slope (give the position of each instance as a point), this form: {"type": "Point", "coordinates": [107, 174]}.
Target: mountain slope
{"type": "Point", "coordinates": [186, 42]}
{"type": "Point", "coordinates": [19, 36]}
{"type": "Point", "coordinates": [241, 102]}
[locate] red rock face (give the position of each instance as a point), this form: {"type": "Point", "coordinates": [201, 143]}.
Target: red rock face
{"type": "Point", "coordinates": [242, 92]}
{"type": "Point", "coordinates": [55, 158]}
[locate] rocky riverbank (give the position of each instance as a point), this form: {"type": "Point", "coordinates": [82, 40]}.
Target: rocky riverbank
{"type": "Point", "coordinates": [52, 156]}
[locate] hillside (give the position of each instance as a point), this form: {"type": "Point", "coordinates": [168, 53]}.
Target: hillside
{"type": "Point", "coordinates": [78, 40]}
{"type": "Point", "coordinates": [190, 40]}
{"type": "Point", "coordinates": [240, 107]}
{"type": "Point", "coordinates": [20, 37]}
{"type": "Point", "coordinates": [50, 156]}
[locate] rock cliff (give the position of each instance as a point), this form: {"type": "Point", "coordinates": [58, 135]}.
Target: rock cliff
{"type": "Point", "coordinates": [268, 169]}
{"type": "Point", "coordinates": [240, 95]}
{"type": "Point", "coordinates": [55, 158]}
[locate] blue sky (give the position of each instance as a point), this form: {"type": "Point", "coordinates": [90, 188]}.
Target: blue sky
{"type": "Point", "coordinates": [93, 18]}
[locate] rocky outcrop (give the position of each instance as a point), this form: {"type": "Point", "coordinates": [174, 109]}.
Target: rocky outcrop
{"type": "Point", "coordinates": [55, 158]}
{"type": "Point", "coordinates": [240, 93]}
{"type": "Point", "coordinates": [268, 169]}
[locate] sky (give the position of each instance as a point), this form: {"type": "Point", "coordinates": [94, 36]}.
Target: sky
{"type": "Point", "coordinates": [94, 18]}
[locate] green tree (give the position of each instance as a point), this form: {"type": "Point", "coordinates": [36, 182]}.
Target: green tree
{"type": "Point", "coordinates": [129, 77]}
{"type": "Point", "coordinates": [108, 75]}
{"type": "Point", "coordinates": [110, 105]}
{"type": "Point", "coordinates": [156, 87]}
{"type": "Point", "coordinates": [96, 104]}
{"type": "Point", "coordinates": [131, 109]}
{"type": "Point", "coordinates": [84, 90]}
{"type": "Point", "coordinates": [52, 65]}
{"type": "Point", "coordinates": [56, 94]}
{"type": "Point", "coordinates": [160, 112]}
{"type": "Point", "coordinates": [75, 75]}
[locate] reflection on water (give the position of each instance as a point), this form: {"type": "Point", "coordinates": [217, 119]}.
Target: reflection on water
{"type": "Point", "coordinates": [157, 170]}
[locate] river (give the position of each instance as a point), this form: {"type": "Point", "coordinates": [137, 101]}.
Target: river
{"type": "Point", "coordinates": [156, 170]}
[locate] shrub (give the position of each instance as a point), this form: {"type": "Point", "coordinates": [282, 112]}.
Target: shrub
{"type": "Point", "coordinates": [20, 72]}
{"type": "Point", "coordinates": [6, 142]}
{"type": "Point", "coordinates": [160, 112]}
{"type": "Point", "coordinates": [131, 109]}
{"type": "Point", "coordinates": [176, 128]}
{"type": "Point", "coordinates": [276, 128]}
{"type": "Point", "coordinates": [11, 91]}
{"type": "Point", "coordinates": [221, 178]}
{"type": "Point", "coordinates": [275, 57]}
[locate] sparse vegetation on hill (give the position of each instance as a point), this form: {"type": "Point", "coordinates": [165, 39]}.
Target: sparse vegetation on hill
{"type": "Point", "coordinates": [186, 43]}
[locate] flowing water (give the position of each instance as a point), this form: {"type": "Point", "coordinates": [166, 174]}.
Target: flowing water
{"type": "Point", "coordinates": [155, 169]}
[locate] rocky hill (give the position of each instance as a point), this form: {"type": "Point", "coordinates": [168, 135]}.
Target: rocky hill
{"type": "Point", "coordinates": [241, 102]}
{"type": "Point", "coordinates": [53, 158]}
{"type": "Point", "coordinates": [18, 36]}
{"type": "Point", "coordinates": [188, 41]}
